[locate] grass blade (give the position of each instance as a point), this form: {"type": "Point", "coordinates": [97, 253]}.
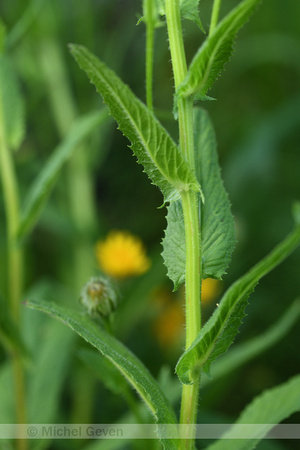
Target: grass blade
{"type": "Point", "coordinates": [43, 185]}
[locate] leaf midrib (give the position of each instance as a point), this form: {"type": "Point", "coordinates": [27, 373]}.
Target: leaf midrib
{"type": "Point", "coordinates": [212, 56]}
{"type": "Point", "coordinates": [250, 285]}
{"type": "Point", "coordinates": [134, 124]}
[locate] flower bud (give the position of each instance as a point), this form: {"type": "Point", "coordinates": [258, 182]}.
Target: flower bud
{"type": "Point", "coordinates": [99, 297]}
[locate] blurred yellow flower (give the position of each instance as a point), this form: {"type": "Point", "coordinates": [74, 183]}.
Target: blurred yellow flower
{"type": "Point", "coordinates": [169, 326]}
{"type": "Point", "coordinates": [211, 288]}
{"type": "Point", "coordinates": [122, 255]}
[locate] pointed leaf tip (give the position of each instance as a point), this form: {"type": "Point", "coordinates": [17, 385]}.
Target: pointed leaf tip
{"type": "Point", "coordinates": [216, 50]}
{"type": "Point", "coordinates": [156, 151]}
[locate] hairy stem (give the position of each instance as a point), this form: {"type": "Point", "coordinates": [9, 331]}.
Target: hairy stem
{"type": "Point", "coordinates": [214, 16]}
{"type": "Point", "coordinates": [190, 212]}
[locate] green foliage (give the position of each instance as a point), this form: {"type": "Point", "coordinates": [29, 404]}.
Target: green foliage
{"type": "Point", "coordinates": [11, 105]}
{"type": "Point", "coordinates": [48, 374]}
{"type": "Point", "coordinates": [20, 29]}
{"type": "Point", "coordinates": [88, 202]}
{"type": "Point", "coordinates": [216, 50]}
{"type": "Point", "coordinates": [129, 365]}
{"type": "Point", "coordinates": [217, 227]}
{"type": "Point", "coordinates": [7, 412]}
{"type": "Point", "coordinates": [155, 150]}
{"type": "Point", "coordinates": [104, 369]}
{"type": "Point", "coordinates": [2, 35]}
{"type": "Point", "coordinates": [188, 9]}
{"type": "Point", "coordinates": [270, 408]}
{"type": "Point", "coordinates": [43, 185]}
{"type": "Point", "coordinates": [174, 244]}
{"type": "Point", "coordinates": [220, 330]}
{"type": "Point", "coordinates": [242, 353]}
{"type": "Point", "coordinates": [10, 335]}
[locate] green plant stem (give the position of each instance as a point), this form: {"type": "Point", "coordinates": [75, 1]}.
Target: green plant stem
{"type": "Point", "coordinates": [150, 26]}
{"type": "Point", "coordinates": [193, 257]}
{"type": "Point", "coordinates": [214, 16]}
{"type": "Point", "coordinates": [190, 211]}
{"type": "Point", "coordinates": [14, 267]}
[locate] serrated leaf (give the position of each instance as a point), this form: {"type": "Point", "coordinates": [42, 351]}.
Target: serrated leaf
{"type": "Point", "coordinates": [154, 148]}
{"type": "Point", "coordinates": [268, 409]}
{"type": "Point", "coordinates": [43, 185]}
{"type": "Point", "coordinates": [123, 359]}
{"type": "Point", "coordinates": [219, 332]}
{"type": "Point", "coordinates": [217, 226]}
{"type": "Point", "coordinates": [216, 50]}
{"type": "Point", "coordinates": [244, 352]}
{"type": "Point", "coordinates": [174, 248]}
{"type": "Point", "coordinates": [189, 10]}
{"type": "Point", "coordinates": [11, 105]}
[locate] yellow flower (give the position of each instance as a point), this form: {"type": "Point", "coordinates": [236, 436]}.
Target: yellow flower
{"type": "Point", "coordinates": [122, 255]}
{"type": "Point", "coordinates": [169, 326]}
{"type": "Point", "coordinates": [210, 290]}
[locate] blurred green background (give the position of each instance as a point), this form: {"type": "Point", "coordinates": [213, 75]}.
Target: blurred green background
{"type": "Point", "coordinates": [257, 122]}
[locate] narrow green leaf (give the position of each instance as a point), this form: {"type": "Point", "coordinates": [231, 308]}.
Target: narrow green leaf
{"type": "Point", "coordinates": [271, 407]}
{"type": "Point", "coordinates": [216, 50]}
{"type": "Point", "coordinates": [189, 10]}
{"type": "Point", "coordinates": [104, 369]}
{"type": "Point", "coordinates": [128, 364]}
{"type": "Point", "coordinates": [11, 105]}
{"type": "Point", "coordinates": [42, 186]}
{"type": "Point", "coordinates": [154, 148]}
{"type": "Point", "coordinates": [220, 330]}
{"type": "Point", "coordinates": [244, 352]}
{"type": "Point", "coordinates": [217, 226]}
